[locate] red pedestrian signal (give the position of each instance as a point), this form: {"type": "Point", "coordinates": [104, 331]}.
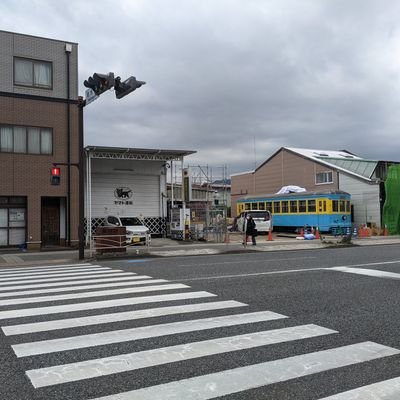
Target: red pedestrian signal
{"type": "Point", "coordinates": [55, 176]}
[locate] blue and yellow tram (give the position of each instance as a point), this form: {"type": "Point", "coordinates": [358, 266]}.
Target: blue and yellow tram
{"type": "Point", "coordinates": [329, 211]}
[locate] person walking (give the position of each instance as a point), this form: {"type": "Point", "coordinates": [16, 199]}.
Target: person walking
{"type": "Point", "coordinates": [251, 229]}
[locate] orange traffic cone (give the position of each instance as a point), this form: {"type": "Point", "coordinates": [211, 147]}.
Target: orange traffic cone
{"type": "Point", "coordinates": [361, 231]}
{"type": "Point", "coordinates": [366, 231]}
{"type": "Point", "coordinates": [386, 231]}
{"type": "Point", "coordinates": [317, 236]}
{"type": "Point", "coordinates": [270, 236]}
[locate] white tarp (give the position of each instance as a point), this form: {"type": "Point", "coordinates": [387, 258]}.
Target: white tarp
{"type": "Point", "coordinates": [291, 189]}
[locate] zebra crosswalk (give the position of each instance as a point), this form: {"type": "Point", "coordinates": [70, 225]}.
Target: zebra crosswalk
{"type": "Point", "coordinates": [91, 311]}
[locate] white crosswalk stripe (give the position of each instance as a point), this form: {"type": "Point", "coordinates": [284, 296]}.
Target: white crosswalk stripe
{"type": "Point", "coordinates": [117, 317]}
{"type": "Point", "coordinates": [97, 293]}
{"type": "Point", "coordinates": [63, 338]}
{"type": "Point", "coordinates": [95, 279]}
{"type": "Point", "coordinates": [368, 272]}
{"type": "Point", "coordinates": [144, 359]}
{"type": "Point", "coordinates": [69, 278]}
{"type": "Point", "coordinates": [29, 312]}
{"type": "Point", "coordinates": [127, 282]}
{"type": "Point", "coordinates": [103, 338]}
{"type": "Point", "coordinates": [46, 267]}
{"type": "Point", "coordinates": [385, 390]}
{"type": "Point", "coordinates": [56, 272]}
{"type": "Point", "coordinates": [239, 379]}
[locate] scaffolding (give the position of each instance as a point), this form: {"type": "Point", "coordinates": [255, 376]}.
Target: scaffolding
{"type": "Point", "coordinates": [209, 201]}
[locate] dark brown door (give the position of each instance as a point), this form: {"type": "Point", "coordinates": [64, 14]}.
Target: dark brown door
{"type": "Point", "coordinates": [50, 221]}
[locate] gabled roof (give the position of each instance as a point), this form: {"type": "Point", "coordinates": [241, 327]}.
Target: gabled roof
{"type": "Point", "coordinates": [342, 160]}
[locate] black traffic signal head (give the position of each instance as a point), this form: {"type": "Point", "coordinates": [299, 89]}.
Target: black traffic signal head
{"type": "Point", "coordinates": [126, 87]}
{"type": "Point", "coordinates": [55, 176]}
{"type": "Point", "coordinates": [100, 83]}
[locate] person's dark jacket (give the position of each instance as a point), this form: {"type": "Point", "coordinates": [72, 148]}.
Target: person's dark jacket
{"type": "Point", "coordinates": [251, 227]}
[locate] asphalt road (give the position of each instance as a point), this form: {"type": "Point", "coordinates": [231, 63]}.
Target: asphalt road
{"type": "Point", "coordinates": [283, 325]}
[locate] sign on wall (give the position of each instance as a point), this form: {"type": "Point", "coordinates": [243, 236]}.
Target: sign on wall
{"type": "Point", "coordinates": [123, 194]}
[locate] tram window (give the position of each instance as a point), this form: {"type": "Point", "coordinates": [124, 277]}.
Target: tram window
{"type": "Point", "coordinates": [342, 205]}
{"type": "Point", "coordinates": [311, 205]}
{"type": "Point", "coordinates": [254, 206]}
{"type": "Point", "coordinates": [247, 206]}
{"type": "Point", "coordinates": [277, 207]}
{"type": "Point", "coordinates": [293, 206]}
{"type": "Point", "coordinates": [348, 207]}
{"type": "Point", "coordinates": [335, 206]}
{"type": "Point", "coordinates": [302, 205]}
{"type": "Point", "coordinates": [261, 206]}
{"type": "Point", "coordinates": [269, 206]}
{"type": "Point", "coordinates": [285, 207]}
{"type": "Point", "coordinates": [324, 206]}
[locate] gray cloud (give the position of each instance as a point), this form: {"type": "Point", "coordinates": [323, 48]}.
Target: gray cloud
{"type": "Point", "coordinates": [234, 80]}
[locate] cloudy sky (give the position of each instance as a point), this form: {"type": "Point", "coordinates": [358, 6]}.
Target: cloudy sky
{"type": "Point", "coordinates": [234, 80]}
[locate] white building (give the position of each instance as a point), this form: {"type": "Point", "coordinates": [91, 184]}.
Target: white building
{"type": "Point", "coordinates": [129, 182]}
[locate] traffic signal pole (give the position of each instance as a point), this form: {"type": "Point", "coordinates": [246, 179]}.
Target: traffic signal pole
{"type": "Point", "coordinates": [96, 84]}
{"type": "Point", "coordinates": [81, 227]}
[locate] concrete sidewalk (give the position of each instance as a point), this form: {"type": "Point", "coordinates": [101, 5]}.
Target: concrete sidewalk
{"type": "Point", "coordinates": [164, 247]}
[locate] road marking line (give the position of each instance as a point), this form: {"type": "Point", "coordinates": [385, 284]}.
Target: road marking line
{"type": "Point", "coordinates": [247, 261]}
{"type": "Point", "coordinates": [124, 277]}
{"type": "Point", "coordinates": [223, 383]}
{"type": "Point", "coordinates": [70, 278]}
{"type": "Point", "coordinates": [385, 390]}
{"type": "Point", "coordinates": [29, 312]}
{"type": "Point", "coordinates": [43, 267]}
{"type": "Point", "coordinates": [135, 282]}
{"type": "Point", "coordinates": [96, 293]}
{"type": "Point", "coordinates": [368, 264]}
{"type": "Point", "coordinates": [145, 332]}
{"type": "Point", "coordinates": [50, 273]}
{"type": "Point", "coordinates": [289, 271]}
{"type": "Point", "coordinates": [144, 359]}
{"type": "Point", "coordinates": [369, 272]}
{"type": "Point", "coordinates": [116, 317]}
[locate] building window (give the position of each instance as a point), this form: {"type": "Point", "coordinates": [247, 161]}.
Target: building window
{"type": "Point", "coordinates": [323, 177]}
{"type": "Point", "coordinates": [33, 73]}
{"type": "Point", "coordinates": [22, 139]}
{"type": "Point", "coordinates": [12, 221]}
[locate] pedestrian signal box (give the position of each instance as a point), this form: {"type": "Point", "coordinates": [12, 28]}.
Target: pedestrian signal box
{"type": "Point", "coordinates": [55, 176]}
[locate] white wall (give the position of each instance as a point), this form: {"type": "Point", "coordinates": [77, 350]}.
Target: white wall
{"type": "Point", "coordinates": [364, 197]}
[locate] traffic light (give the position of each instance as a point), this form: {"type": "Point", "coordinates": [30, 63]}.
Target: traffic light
{"type": "Point", "coordinates": [55, 176]}
{"type": "Point", "coordinates": [126, 87]}
{"type": "Point", "coordinates": [100, 83]}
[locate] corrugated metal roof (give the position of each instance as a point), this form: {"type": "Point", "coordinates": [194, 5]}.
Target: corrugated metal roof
{"type": "Point", "coordinates": [360, 167]}
{"type": "Point", "coordinates": [342, 160]}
